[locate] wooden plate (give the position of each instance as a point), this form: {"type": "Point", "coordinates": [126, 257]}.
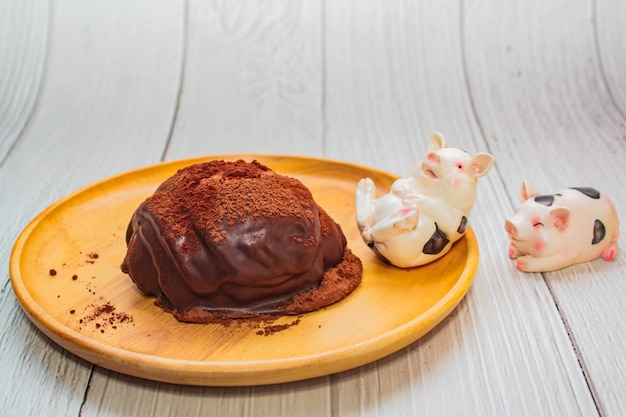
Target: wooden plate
{"type": "Point", "coordinates": [92, 309]}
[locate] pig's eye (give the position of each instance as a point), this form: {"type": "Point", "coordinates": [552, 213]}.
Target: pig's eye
{"type": "Point", "coordinates": [459, 166]}
{"type": "Point", "coordinates": [537, 225]}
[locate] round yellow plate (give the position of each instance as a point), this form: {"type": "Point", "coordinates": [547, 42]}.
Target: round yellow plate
{"type": "Point", "coordinates": [92, 309]}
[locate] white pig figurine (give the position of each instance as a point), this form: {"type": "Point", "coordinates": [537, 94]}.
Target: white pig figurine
{"type": "Point", "coordinates": [423, 215]}
{"type": "Point", "coordinates": [553, 231]}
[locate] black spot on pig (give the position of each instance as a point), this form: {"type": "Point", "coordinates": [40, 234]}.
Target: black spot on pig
{"type": "Point", "coordinates": [436, 243]}
{"type": "Point", "coordinates": [373, 247]}
{"type": "Point", "coordinates": [588, 191]}
{"type": "Point", "coordinates": [546, 200]}
{"type": "Point", "coordinates": [599, 231]}
{"type": "Point", "coordinates": [462, 226]}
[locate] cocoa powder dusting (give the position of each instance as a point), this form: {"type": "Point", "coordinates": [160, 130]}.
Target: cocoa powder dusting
{"type": "Point", "coordinates": [244, 190]}
{"type": "Point", "coordinates": [104, 316]}
{"type": "Point", "coordinates": [275, 328]}
{"type": "Point", "coordinates": [205, 202]}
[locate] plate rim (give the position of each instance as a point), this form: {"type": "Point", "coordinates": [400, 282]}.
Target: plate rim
{"type": "Point", "coordinates": [205, 372]}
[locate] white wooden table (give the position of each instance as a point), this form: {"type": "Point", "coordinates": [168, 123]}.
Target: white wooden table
{"type": "Point", "coordinates": [90, 89]}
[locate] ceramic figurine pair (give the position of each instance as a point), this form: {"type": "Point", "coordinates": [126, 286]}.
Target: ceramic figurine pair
{"type": "Point", "coordinates": [423, 215]}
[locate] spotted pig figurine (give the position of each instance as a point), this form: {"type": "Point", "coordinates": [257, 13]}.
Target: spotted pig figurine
{"type": "Point", "coordinates": [550, 232]}
{"type": "Point", "coordinates": [422, 216]}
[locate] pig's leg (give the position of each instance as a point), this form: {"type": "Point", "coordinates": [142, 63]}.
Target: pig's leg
{"type": "Point", "coordinates": [365, 193]}
{"type": "Point", "coordinates": [610, 253]}
{"type": "Point", "coordinates": [529, 263]}
{"type": "Point", "coordinates": [401, 187]}
{"type": "Point", "coordinates": [406, 218]}
{"type": "Point", "coordinates": [513, 252]}
{"type": "Point", "coordinates": [402, 221]}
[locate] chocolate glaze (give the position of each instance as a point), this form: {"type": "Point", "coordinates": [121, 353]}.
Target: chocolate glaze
{"type": "Point", "coordinates": [236, 238]}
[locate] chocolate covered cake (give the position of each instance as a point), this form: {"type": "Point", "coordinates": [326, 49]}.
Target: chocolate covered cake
{"type": "Point", "coordinates": [235, 239]}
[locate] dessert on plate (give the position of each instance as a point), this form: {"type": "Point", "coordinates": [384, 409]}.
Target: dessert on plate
{"type": "Point", "coordinates": [235, 239]}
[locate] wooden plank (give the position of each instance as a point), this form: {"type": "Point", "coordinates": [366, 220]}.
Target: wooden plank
{"type": "Point", "coordinates": [98, 114]}
{"type": "Point", "coordinates": [611, 51]}
{"type": "Point", "coordinates": [37, 373]}
{"type": "Point", "coordinates": [156, 399]}
{"type": "Point", "coordinates": [23, 40]}
{"type": "Point", "coordinates": [252, 82]}
{"type": "Point", "coordinates": [395, 73]}
{"type": "Point", "coordinates": [559, 128]}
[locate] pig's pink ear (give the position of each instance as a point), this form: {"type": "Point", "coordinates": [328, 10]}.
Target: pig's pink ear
{"type": "Point", "coordinates": [436, 142]}
{"type": "Point", "coordinates": [527, 192]}
{"type": "Point", "coordinates": [561, 217]}
{"type": "Point", "coordinates": [481, 164]}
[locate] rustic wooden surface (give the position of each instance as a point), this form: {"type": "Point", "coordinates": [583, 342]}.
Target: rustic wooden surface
{"type": "Point", "coordinates": [92, 89]}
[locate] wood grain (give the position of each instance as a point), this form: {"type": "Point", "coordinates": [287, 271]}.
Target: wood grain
{"type": "Point", "coordinates": [82, 130]}
{"type": "Point", "coordinates": [21, 66]}
{"type": "Point", "coordinates": [91, 90]}
{"type": "Point", "coordinates": [570, 134]}
{"type": "Point", "coordinates": [611, 52]}
{"type": "Point", "coordinates": [252, 80]}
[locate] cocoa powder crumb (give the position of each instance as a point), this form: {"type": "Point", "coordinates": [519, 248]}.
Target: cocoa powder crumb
{"type": "Point", "coordinates": [263, 322]}
{"type": "Point", "coordinates": [275, 328]}
{"type": "Point", "coordinates": [105, 315]}
{"type": "Point", "coordinates": [91, 257]}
